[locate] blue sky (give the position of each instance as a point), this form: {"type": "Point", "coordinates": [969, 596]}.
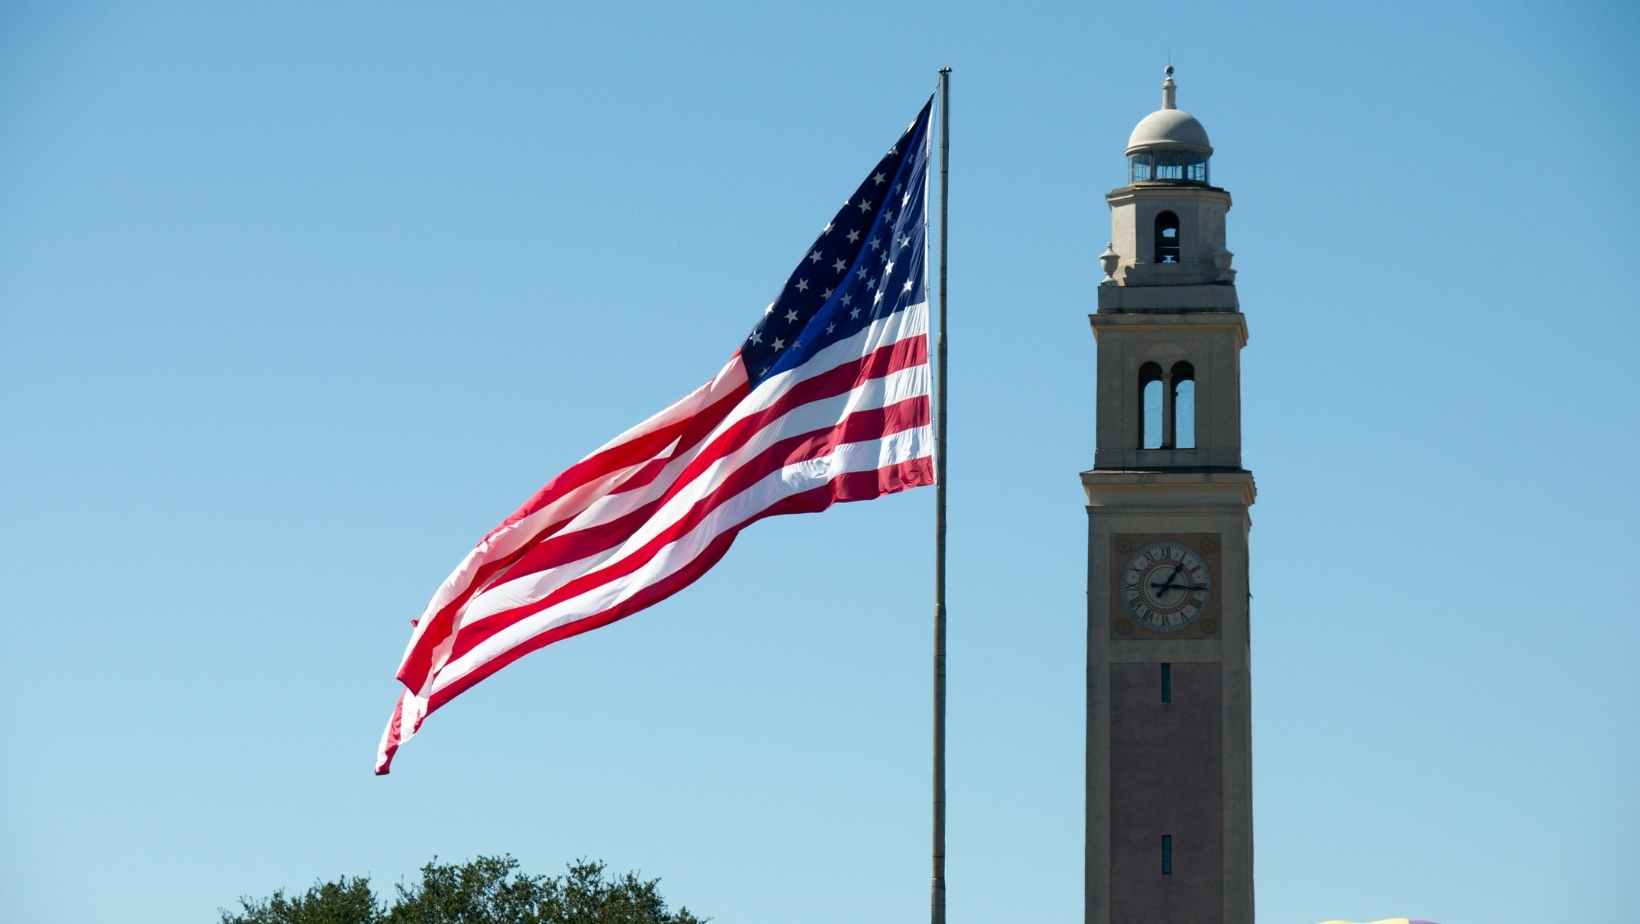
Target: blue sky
{"type": "Point", "coordinates": [297, 301]}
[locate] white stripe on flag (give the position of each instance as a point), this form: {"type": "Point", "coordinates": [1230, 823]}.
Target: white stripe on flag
{"type": "Point", "coordinates": [793, 479]}
{"type": "Point", "coordinates": [872, 395]}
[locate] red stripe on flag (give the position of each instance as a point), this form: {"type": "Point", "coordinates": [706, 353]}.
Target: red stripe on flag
{"type": "Point", "coordinates": [390, 737]}
{"type": "Point", "coordinates": [541, 553]}
{"type": "Point", "coordinates": [417, 662]}
{"type": "Point", "coordinates": [858, 427]}
{"type": "Point", "coordinates": [576, 545]}
{"type": "Point", "coordinates": [853, 486]}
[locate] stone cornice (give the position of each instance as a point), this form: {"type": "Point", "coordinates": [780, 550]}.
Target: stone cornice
{"type": "Point", "coordinates": [1124, 194]}
{"type": "Point", "coordinates": [1127, 488]}
{"type": "Point", "coordinates": [1157, 320]}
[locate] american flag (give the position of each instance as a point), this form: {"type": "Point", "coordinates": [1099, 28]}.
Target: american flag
{"type": "Point", "coordinates": [826, 400]}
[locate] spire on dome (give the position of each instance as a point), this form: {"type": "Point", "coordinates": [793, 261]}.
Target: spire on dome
{"type": "Point", "coordinates": [1168, 101]}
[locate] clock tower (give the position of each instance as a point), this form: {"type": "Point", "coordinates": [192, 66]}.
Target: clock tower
{"type": "Point", "coordinates": [1169, 738]}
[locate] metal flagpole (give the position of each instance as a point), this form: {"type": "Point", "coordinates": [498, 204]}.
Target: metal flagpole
{"type": "Point", "coordinates": [937, 896]}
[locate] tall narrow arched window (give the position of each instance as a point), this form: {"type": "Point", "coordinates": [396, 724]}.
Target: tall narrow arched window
{"type": "Point", "coordinates": [1182, 392]}
{"type": "Point", "coordinates": [1167, 238]}
{"type": "Point", "coordinates": [1150, 406]}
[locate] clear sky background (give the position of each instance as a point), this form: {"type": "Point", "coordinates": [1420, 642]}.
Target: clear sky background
{"type": "Point", "coordinates": [297, 301]}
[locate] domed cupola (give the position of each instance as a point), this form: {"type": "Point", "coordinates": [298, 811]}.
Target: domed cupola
{"type": "Point", "coordinates": [1167, 221]}
{"type": "Point", "coordinates": [1169, 145]}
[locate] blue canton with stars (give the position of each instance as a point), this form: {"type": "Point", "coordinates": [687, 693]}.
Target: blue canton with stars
{"type": "Point", "coordinates": [868, 262]}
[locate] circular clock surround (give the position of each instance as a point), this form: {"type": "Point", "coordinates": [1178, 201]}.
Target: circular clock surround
{"type": "Point", "coordinates": [1165, 585]}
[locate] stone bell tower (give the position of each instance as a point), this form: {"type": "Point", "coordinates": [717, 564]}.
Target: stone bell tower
{"type": "Point", "coordinates": [1169, 739]}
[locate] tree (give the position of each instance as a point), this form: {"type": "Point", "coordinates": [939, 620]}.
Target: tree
{"type": "Point", "coordinates": [487, 890]}
{"type": "Point", "coordinates": [345, 901]}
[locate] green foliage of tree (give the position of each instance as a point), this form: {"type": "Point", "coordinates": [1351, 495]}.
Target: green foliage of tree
{"type": "Point", "coordinates": [487, 890]}
{"type": "Point", "coordinates": [345, 901]}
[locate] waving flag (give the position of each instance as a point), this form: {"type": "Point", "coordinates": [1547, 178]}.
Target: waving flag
{"type": "Point", "coordinates": [826, 400]}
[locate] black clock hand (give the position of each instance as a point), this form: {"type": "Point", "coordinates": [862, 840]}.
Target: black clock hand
{"type": "Point", "coordinates": [1170, 577]}
{"type": "Point", "coordinates": [1169, 585]}
{"type": "Point", "coordinates": [1163, 588]}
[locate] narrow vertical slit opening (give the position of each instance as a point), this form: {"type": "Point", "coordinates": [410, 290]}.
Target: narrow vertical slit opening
{"type": "Point", "coordinates": [1182, 396]}
{"type": "Point", "coordinates": [1167, 682]}
{"type": "Point", "coordinates": [1150, 406]}
{"type": "Point", "coordinates": [1167, 237]}
{"type": "Point", "coordinates": [1167, 855]}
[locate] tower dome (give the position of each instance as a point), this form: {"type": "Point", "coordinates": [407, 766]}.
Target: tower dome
{"type": "Point", "coordinates": [1169, 129]}
{"type": "Point", "coordinates": [1169, 145]}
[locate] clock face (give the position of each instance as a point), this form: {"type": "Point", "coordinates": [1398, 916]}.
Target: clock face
{"type": "Point", "coordinates": [1165, 585]}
